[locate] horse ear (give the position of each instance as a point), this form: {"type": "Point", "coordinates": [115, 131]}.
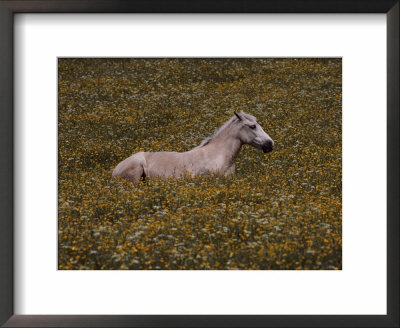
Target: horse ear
{"type": "Point", "coordinates": [238, 116]}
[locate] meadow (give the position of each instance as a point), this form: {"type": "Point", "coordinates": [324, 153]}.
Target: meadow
{"type": "Point", "coordinates": [281, 210]}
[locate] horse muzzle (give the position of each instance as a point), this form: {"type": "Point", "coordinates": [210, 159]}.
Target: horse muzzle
{"type": "Point", "coordinates": [268, 146]}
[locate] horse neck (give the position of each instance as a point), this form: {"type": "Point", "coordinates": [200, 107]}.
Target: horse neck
{"type": "Point", "coordinates": [227, 144]}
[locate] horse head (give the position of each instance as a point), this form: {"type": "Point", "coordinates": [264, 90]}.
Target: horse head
{"type": "Point", "coordinates": [251, 133]}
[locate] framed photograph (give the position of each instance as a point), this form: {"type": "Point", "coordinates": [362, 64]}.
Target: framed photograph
{"type": "Point", "coordinates": [203, 164]}
{"type": "Point", "coordinates": [201, 197]}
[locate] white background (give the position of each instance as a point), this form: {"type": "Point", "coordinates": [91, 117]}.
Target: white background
{"type": "Point", "coordinates": [360, 288]}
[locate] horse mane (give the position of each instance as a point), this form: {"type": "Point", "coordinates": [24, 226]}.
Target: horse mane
{"type": "Point", "coordinates": [223, 127]}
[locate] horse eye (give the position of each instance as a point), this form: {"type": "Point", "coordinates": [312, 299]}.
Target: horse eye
{"type": "Point", "coordinates": [252, 127]}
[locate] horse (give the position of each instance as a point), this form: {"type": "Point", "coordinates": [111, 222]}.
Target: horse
{"type": "Point", "coordinates": [216, 154]}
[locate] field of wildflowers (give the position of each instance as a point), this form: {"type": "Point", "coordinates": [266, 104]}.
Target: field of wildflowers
{"type": "Point", "coordinates": [280, 210]}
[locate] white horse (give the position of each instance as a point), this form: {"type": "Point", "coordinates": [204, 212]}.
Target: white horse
{"type": "Point", "coordinates": [215, 155]}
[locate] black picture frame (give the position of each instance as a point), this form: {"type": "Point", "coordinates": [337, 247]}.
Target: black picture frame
{"type": "Point", "coordinates": [10, 7]}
